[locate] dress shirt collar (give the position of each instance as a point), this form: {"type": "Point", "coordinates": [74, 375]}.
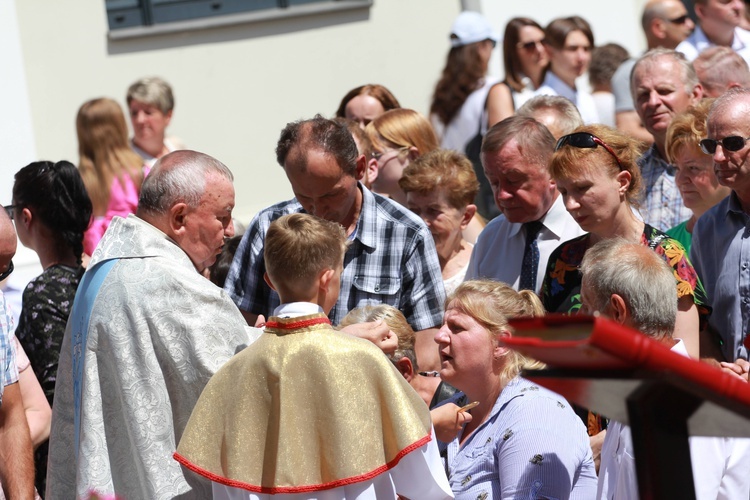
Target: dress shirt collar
{"type": "Point", "coordinates": [296, 309]}
{"type": "Point", "coordinates": [554, 220]}
{"type": "Point", "coordinates": [559, 86]}
{"type": "Point", "coordinates": [367, 225]}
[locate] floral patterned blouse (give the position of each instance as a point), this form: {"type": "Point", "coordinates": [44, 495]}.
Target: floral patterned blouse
{"type": "Point", "coordinates": [561, 289]}
{"type": "Point", "coordinates": [47, 302]}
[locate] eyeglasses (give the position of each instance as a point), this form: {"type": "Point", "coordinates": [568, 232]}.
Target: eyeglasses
{"type": "Point", "coordinates": [532, 45]}
{"type": "Point", "coordinates": [7, 272]}
{"type": "Point", "coordinates": [731, 143]}
{"type": "Point", "coordinates": [10, 210]}
{"type": "Point", "coordinates": [679, 20]}
{"type": "Point", "coordinates": [399, 151]}
{"type": "Point", "coordinates": [584, 140]}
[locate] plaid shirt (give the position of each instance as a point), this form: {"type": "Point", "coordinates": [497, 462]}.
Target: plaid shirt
{"type": "Point", "coordinates": [661, 205]}
{"type": "Point", "coordinates": [391, 259]}
{"type": "Point", "coordinates": [7, 353]}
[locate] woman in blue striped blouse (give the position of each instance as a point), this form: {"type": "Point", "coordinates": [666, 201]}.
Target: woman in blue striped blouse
{"type": "Point", "coordinates": [522, 441]}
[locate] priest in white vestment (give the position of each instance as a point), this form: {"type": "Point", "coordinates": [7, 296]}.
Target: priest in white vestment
{"type": "Point", "coordinates": [146, 333]}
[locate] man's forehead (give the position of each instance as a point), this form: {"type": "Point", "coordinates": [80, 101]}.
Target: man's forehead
{"type": "Point", "coordinates": [661, 70]}
{"type": "Point", "coordinates": [731, 114]}
{"type": "Point", "coordinates": [312, 161]}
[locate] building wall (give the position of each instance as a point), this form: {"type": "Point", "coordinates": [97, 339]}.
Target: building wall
{"type": "Point", "coordinates": [235, 87]}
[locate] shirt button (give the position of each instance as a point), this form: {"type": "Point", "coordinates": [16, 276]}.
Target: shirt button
{"type": "Point", "coordinates": [377, 288]}
{"type": "Point", "coordinates": [744, 266]}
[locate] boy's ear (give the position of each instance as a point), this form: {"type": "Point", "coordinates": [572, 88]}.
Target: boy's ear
{"type": "Point", "coordinates": [268, 282]}
{"type": "Point", "coordinates": [406, 368]}
{"type": "Point", "coordinates": [325, 278]}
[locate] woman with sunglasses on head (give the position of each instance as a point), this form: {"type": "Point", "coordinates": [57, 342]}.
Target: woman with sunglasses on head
{"type": "Point", "coordinates": [51, 210]}
{"type": "Point", "coordinates": [596, 173]}
{"type": "Point", "coordinates": [569, 42]}
{"type": "Point", "coordinates": [695, 176]}
{"type": "Point", "coordinates": [525, 60]}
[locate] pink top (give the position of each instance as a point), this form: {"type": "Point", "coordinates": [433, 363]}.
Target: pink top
{"type": "Point", "coordinates": [123, 201]}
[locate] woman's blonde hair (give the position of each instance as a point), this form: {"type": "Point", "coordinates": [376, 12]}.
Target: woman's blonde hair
{"type": "Point", "coordinates": [104, 150]}
{"type": "Point", "coordinates": [492, 304]}
{"type": "Point", "coordinates": [570, 161]}
{"type": "Point", "coordinates": [402, 128]}
{"type": "Point", "coordinates": [687, 129]}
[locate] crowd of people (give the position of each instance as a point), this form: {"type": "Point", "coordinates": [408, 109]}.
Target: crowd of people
{"type": "Point", "coordinates": [349, 343]}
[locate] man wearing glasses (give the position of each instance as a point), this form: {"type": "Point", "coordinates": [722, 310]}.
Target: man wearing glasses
{"type": "Point", "coordinates": [721, 240]}
{"type": "Point", "coordinates": [16, 459]}
{"type": "Point", "coordinates": [718, 24]}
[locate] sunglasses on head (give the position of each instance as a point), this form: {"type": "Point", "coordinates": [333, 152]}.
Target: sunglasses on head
{"type": "Point", "coordinates": [731, 143]}
{"type": "Point", "coordinates": [584, 140]}
{"type": "Point", "coordinates": [679, 20]}
{"type": "Point", "coordinates": [532, 45]}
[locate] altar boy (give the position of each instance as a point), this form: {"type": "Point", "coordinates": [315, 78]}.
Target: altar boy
{"type": "Point", "coordinates": [306, 411]}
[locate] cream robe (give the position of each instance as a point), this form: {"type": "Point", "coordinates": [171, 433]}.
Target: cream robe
{"type": "Point", "coordinates": [157, 332]}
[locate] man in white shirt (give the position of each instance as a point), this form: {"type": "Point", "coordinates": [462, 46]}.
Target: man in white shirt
{"type": "Point", "coordinates": [515, 155]}
{"type": "Point", "coordinates": [718, 24]}
{"type": "Point", "coordinates": [614, 272]}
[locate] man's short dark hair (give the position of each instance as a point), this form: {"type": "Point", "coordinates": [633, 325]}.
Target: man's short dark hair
{"type": "Point", "coordinates": [320, 134]}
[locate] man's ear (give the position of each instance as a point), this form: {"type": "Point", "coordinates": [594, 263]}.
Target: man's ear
{"type": "Point", "coordinates": [659, 28]}
{"type": "Point", "coordinates": [406, 368]}
{"type": "Point", "coordinates": [618, 309]}
{"type": "Point", "coordinates": [371, 171]}
{"type": "Point", "coordinates": [167, 117]}
{"type": "Point", "coordinates": [178, 218]}
{"type": "Point", "coordinates": [361, 168]}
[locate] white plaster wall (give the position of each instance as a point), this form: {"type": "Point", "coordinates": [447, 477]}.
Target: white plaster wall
{"type": "Point", "coordinates": [235, 87]}
{"type": "Point", "coordinates": [16, 133]}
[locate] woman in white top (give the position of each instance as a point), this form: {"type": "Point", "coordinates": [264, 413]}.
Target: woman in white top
{"type": "Point", "coordinates": [525, 60]}
{"type": "Point", "coordinates": [569, 42]}
{"type": "Point", "coordinates": [440, 187]}
{"type": "Point", "coordinates": [458, 103]}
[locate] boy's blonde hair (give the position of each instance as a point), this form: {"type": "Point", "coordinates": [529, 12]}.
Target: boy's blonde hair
{"type": "Point", "coordinates": [298, 247]}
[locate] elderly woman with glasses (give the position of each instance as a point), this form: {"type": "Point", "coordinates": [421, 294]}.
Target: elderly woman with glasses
{"type": "Point", "coordinates": [695, 178]}
{"type": "Point", "coordinates": [596, 172]}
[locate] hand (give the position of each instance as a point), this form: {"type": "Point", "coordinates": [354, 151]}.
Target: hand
{"type": "Point", "coordinates": [447, 421]}
{"type": "Point", "coordinates": [260, 321]}
{"type": "Point", "coordinates": [739, 368]}
{"type": "Point", "coordinates": [377, 332]}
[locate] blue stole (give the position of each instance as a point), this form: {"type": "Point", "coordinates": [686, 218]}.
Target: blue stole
{"type": "Point", "coordinates": [80, 315]}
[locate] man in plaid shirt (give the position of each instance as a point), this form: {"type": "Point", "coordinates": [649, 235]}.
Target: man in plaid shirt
{"type": "Point", "coordinates": [391, 258]}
